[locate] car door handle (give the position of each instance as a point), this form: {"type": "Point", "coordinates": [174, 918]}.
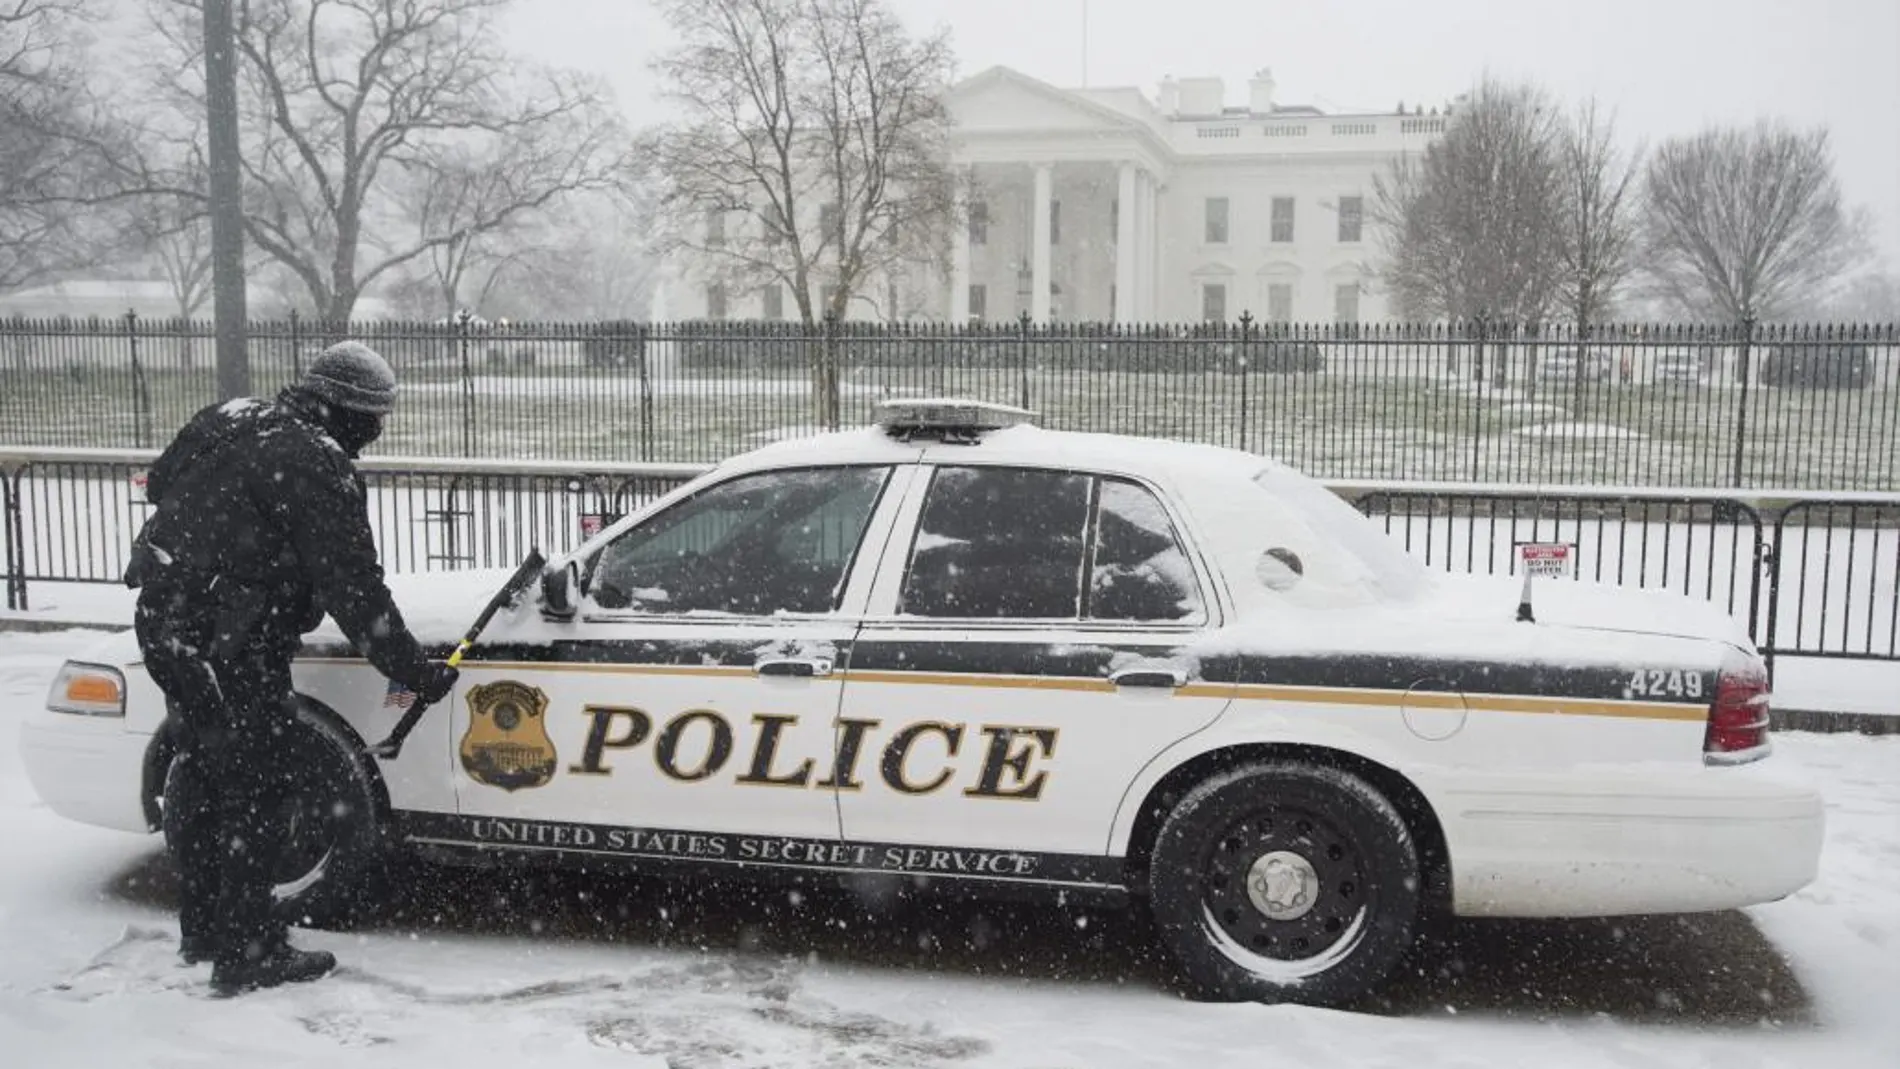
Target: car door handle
{"type": "Point", "coordinates": [1149, 677]}
{"type": "Point", "coordinates": [793, 666]}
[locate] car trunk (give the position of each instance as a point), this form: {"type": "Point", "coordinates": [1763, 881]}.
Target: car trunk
{"type": "Point", "coordinates": [1597, 607]}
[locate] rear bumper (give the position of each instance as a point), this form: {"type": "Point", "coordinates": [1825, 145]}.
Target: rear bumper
{"type": "Point", "coordinates": [88, 769]}
{"type": "Point", "coordinates": [1679, 842]}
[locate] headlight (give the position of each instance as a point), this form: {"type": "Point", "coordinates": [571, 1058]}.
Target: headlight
{"type": "Point", "coordinates": [88, 690]}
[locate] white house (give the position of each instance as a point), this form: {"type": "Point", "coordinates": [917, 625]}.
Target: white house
{"type": "Point", "coordinates": [1104, 205]}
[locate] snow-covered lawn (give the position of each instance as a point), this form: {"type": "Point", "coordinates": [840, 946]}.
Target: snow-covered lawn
{"type": "Point", "coordinates": [488, 970]}
{"type": "Point", "coordinates": [1579, 431]}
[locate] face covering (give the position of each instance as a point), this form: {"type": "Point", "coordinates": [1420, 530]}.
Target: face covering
{"type": "Point", "coordinates": [353, 430]}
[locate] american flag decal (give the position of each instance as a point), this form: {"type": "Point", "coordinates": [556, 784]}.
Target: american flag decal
{"type": "Point", "coordinates": [398, 696]}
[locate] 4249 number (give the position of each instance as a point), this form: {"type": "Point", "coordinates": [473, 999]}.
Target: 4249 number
{"type": "Point", "coordinates": [1661, 683]}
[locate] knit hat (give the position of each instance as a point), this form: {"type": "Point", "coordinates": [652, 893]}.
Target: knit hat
{"type": "Point", "coordinates": [351, 375]}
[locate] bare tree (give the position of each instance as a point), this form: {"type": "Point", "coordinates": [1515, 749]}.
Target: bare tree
{"type": "Point", "coordinates": [52, 133]}
{"type": "Point", "coordinates": [454, 191]}
{"type": "Point", "coordinates": [1472, 227]}
{"type": "Point", "coordinates": [342, 99]}
{"type": "Point", "coordinates": [591, 259]}
{"type": "Point", "coordinates": [1747, 223]}
{"type": "Point", "coordinates": [812, 152]}
{"type": "Point", "coordinates": [1598, 246]}
{"type": "Point", "coordinates": [174, 231]}
{"type": "Point", "coordinates": [1872, 297]}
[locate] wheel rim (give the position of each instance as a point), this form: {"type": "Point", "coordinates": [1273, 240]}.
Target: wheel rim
{"type": "Point", "coordinates": [1284, 889]}
{"type": "Point", "coordinates": [310, 833]}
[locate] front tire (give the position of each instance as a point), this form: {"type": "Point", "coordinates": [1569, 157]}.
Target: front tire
{"type": "Point", "coordinates": [1283, 881]}
{"type": "Point", "coordinates": [334, 861]}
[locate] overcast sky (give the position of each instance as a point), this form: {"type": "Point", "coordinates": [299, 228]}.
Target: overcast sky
{"type": "Point", "coordinates": [1667, 66]}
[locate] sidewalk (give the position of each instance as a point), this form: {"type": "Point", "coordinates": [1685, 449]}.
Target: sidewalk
{"type": "Point", "coordinates": [1811, 694]}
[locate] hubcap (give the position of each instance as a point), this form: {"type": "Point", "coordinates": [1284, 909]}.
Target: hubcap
{"type": "Point", "coordinates": [1283, 885]}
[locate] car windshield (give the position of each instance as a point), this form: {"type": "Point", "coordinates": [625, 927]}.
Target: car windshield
{"type": "Point", "coordinates": [1392, 572]}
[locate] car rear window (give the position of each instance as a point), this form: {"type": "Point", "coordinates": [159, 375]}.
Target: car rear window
{"type": "Point", "coordinates": [1393, 573]}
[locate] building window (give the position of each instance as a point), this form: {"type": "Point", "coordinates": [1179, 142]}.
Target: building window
{"type": "Point", "coordinates": [1055, 222]}
{"type": "Point", "coordinates": [1214, 302]}
{"type": "Point", "coordinates": [1279, 302]}
{"type": "Point", "coordinates": [979, 302]}
{"type": "Point", "coordinates": [1113, 296]}
{"type": "Point", "coordinates": [1346, 302]}
{"type": "Point", "coordinates": [716, 301]}
{"type": "Point", "coordinates": [979, 222]}
{"type": "Point", "coordinates": [828, 223]}
{"type": "Point", "coordinates": [1114, 220]}
{"type": "Point", "coordinates": [1216, 221]}
{"type": "Point", "coordinates": [774, 301]}
{"type": "Point", "coordinates": [1283, 219]}
{"type": "Point", "coordinates": [715, 229]}
{"type": "Point", "coordinates": [1352, 215]}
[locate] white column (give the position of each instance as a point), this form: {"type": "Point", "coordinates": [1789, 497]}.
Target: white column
{"type": "Point", "coordinates": [960, 255]}
{"type": "Point", "coordinates": [1039, 226]}
{"type": "Point", "coordinates": [1139, 267]}
{"type": "Point", "coordinates": [1151, 220]}
{"type": "Point", "coordinates": [1144, 247]}
{"type": "Point", "coordinates": [1126, 250]}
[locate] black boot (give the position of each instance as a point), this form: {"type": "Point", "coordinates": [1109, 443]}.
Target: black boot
{"type": "Point", "coordinates": [195, 950]}
{"type": "Point", "coordinates": [284, 965]}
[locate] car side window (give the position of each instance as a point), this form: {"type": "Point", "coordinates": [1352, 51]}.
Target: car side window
{"type": "Point", "coordinates": [757, 545]}
{"type": "Point", "coordinates": [1004, 543]}
{"type": "Point", "coordinates": [1139, 570]}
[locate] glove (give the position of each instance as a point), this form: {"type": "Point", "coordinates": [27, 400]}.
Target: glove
{"type": "Point", "coordinates": [435, 682]}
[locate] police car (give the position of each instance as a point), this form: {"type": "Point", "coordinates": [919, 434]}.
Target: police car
{"type": "Point", "coordinates": [954, 646]}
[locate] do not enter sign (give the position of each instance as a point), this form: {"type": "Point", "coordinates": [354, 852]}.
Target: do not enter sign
{"type": "Point", "coordinates": [1545, 560]}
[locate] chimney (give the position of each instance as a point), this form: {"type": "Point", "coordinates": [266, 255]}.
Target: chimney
{"type": "Point", "coordinates": [1169, 99]}
{"type": "Point", "coordinates": [1260, 92]}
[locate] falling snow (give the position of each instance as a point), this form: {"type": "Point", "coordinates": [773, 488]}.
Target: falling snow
{"type": "Point", "coordinates": [480, 969]}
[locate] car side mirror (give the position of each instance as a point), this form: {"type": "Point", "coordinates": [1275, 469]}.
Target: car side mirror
{"type": "Point", "coordinates": [1279, 569]}
{"type": "Point", "coordinates": [560, 591]}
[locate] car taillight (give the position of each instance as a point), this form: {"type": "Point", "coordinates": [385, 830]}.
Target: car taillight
{"type": "Point", "coordinates": [1738, 720]}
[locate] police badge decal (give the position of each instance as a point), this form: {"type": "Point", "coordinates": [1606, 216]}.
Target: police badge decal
{"type": "Point", "coordinates": [507, 743]}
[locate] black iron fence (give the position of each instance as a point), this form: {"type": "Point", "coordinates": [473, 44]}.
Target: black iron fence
{"type": "Point", "coordinates": [1812, 407]}
{"type": "Point", "coordinates": [1810, 575]}
{"type": "Point", "coordinates": [70, 515]}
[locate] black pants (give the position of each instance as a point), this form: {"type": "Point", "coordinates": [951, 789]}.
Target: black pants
{"type": "Point", "coordinates": [232, 711]}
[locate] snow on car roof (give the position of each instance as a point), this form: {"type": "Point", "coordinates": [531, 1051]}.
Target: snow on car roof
{"type": "Point", "coordinates": [1022, 444]}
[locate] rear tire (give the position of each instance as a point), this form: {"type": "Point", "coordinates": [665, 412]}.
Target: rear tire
{"type": "Point", "coordinates": [334, 864]}
{"type": "Point", "coordinates": [1282, 881]}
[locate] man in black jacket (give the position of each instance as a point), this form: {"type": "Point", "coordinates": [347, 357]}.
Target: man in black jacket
{"type": "Point", "coordinates": [261, 528]}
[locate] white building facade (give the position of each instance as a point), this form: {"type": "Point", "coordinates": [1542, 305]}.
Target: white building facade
{"type": "Point", "coordinates": [1102, 205]}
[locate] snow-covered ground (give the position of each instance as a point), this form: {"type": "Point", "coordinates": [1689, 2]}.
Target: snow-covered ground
{"type": "Point", "coordinates": [553, 969]}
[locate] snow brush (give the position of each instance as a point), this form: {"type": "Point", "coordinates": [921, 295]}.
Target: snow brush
{"type": "Point", "coordinates": [391, 748]}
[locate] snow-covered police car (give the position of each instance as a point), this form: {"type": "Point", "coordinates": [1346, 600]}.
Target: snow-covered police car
{"type": "Point", "coordinates": [956, 646]}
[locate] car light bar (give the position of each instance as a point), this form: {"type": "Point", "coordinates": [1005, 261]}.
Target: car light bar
{"type": "Point", "coordinates": [910, 415]}
{"type": "Point", "coordinates": [87, 690]}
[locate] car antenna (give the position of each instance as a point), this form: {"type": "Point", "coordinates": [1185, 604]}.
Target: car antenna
{"type": "Point", "coordinates": [1538, 559]}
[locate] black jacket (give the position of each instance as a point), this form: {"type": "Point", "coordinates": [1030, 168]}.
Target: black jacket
{"type": "Point", "coordinates": [263, 518]}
